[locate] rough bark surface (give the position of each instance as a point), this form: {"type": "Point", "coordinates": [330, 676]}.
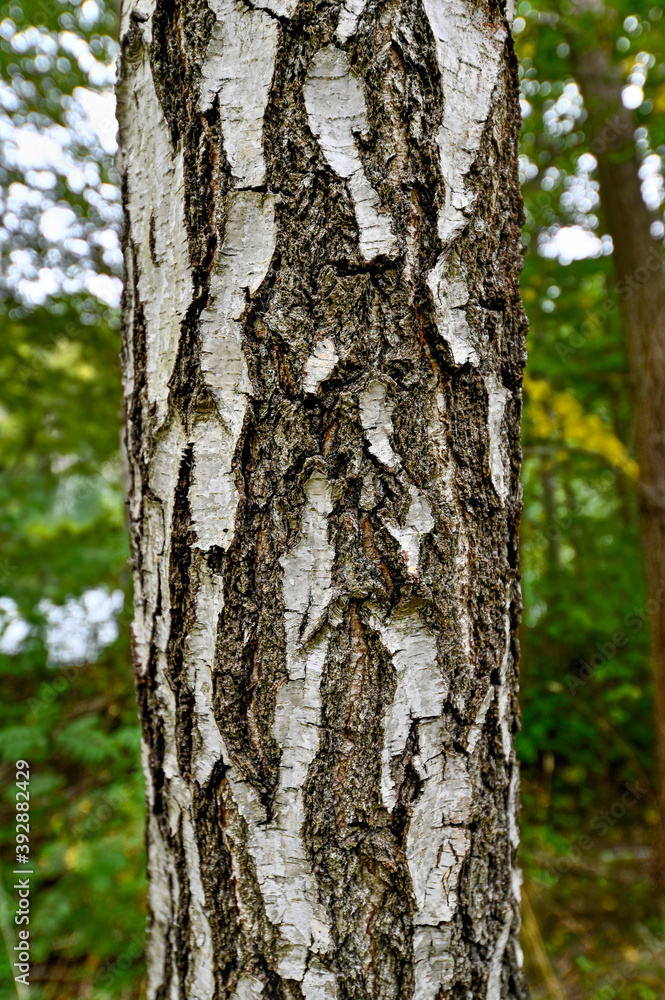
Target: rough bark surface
{"type": "Point", "coordinates": [638, 259]}
{"type": "Point", "coordinates": [324, 346]}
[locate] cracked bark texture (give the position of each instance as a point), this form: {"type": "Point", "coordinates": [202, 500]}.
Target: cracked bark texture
{"type": "Point", "coordinates": [323, 353]}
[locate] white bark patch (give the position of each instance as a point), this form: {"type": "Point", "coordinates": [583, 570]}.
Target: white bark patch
{"type": "Point", "coordinates": [477, 727]}
{"type": "Point", "coordinates": [200, 982]}
{"type": "Point", "coordinates": [504, 705]}
{"type": "Point", "coordinates": [238, 69]}
{"type": "Point", "coordinates": [438, 839]}
{"type": "Point", "coordinates": [208, 746]}
{"type": "Point", "coordinates": [513, 802]}
{"type": "Point", "coordinates": [519, 954]}
{"type": "Point", "coordinates": [516, 880]}
{"type": "Point", "coordinates": [469, 58]}
{"type": "Point", "coordinates": [156, 215]}
{"type": "Point", "coordinates": [349, 15]}
{"type": "Point", "coordinates": [319, 366]}
{"type": "Point", "coordinates": [239, 66]}
{"type": "Point", "coordinates": [420, 692]}
{"type": "Point", "coordinates": [146, 584]}
{"type": "Point", "coordinates": [376, 415]}
{"type": "Point", "coordinates": [160, 902]}
{"type": "Point", "coordinates": [318, 983]}
{"type": "Point", "coordinates": [142, 7]}
{"type": "Point", "coordinates": [458, 529]}
{"type": "Point", "coordinates": [504, 712]}
{"type": "Point", "coordinates": [308, 567]}
{"type": "Point", "coordinates": [242, 264]}
{"type": "Point", "coordinates": [430, 945]}
{"type": "Point", "coordinates": [497, 396]}
{"type": "Point", "coordinates": [200, 968]}
{"type": "Point", "coordinates": [248, 988]}
{"type": "Point", "coordinates": [213, 495]}
{"type": "Point", "coordinates": [468, 54]}
{"type": "Point", "coordinates": [463, 589]}
{"type": "Point", "coordinates": [155, 545]}
{"type": "Point", "coordinates": [433, 962]}
{"type": "Point", "coordinates": [280, 8]}
{"type": "Point", "coordinates": [435, 853]}
{"type": "Point", "coordinates": [283, 869]}
{"type": "Point", "coordinates": [164, 879]}
{"type": "Point", "coordinates": [496, 963]}
{"type": "Point", "coordinates": [149, 626]}
{"type": "Point", "coordinates": [336, 110]}
{"type": "Point", "coordinates": [419, 522]}
{"type": "Point", "coordinates": [451, 295]}
{"type": "Point", "coordinates": [504, 696]}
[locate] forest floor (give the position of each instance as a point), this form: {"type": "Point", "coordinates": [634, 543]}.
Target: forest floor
{"type": "Point", "coordinates": [593, 923]}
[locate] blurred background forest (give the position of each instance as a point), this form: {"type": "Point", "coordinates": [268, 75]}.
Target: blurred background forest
{"type": "Point", "coordinates": [593, 897]}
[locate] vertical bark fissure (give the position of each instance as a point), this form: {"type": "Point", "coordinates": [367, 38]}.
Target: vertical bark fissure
{"type": "Point", "coordinates": [324, 346]}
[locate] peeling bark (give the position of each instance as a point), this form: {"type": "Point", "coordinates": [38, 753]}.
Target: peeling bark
{"type": "Point", "coordinates": [323, 354]}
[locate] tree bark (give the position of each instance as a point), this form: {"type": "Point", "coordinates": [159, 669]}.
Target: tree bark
{"type": "Point", "coordinates": [324, 346]}
{"type": "Point", "coordinates": [638, 260]}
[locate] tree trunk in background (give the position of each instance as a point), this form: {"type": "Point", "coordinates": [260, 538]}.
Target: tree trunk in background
{"type": "Point", "coordinates": [638, 260]}
{"type": "Point", "coordinates": [323, 353]}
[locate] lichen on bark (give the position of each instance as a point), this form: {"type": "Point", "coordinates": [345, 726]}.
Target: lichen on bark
{"type": "Point", "coordinates": [323, 353]}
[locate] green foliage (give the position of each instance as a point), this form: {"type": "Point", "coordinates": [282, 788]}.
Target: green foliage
{"type": "Point", "coordinates": [67, 708]}
{"type": "Point", "coordinates": [588, 725]}
{"type": "Point", "coordinates": [583, 581]}
{"type": "Point", "coordinates": [63, 535]}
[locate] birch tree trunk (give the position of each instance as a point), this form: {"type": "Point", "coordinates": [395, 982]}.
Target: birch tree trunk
{"type": "Point", "coordinates": [323, 353]}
